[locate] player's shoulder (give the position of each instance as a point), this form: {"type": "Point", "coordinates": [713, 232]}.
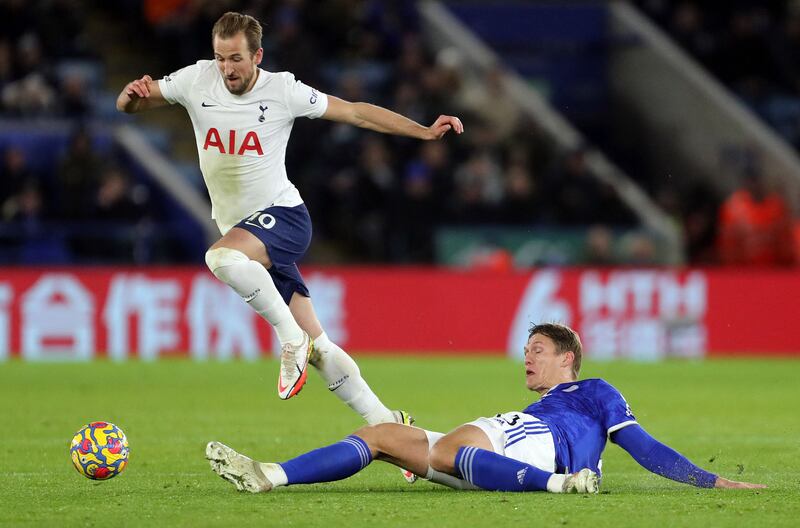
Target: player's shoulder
{"type": "Point", "coordinates": [281, 78]}
{"type": "Point", "coordinates": [272, 85]}
{"type": "Point", "coordinates": [205, 64]}
{"type": "Point", "coordinates": [286, 79]}
{"type": "Point", "coordinates": [598, 385]}
{"type": "Point", "coordinates": [192, 71]}
{"type": "Point", "coordinates": [597, 382]}
{"type": "Point", "coordinates": [205, 67]}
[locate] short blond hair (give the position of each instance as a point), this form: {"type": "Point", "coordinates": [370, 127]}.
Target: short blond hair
{"type": "Point", "coordinates": [566, 340]}
{"type": "Point", "coordinates": [231, 23]}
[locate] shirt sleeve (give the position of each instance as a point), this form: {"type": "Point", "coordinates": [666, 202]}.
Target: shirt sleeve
{"type": "Point", "coordinates": [614, 410]}
{"type": "Point", "coordinates": [303, 100]}
{"type": "Point", "coordinates": [661, 459]}
{"type": "Point", "coordinates": [176, 86]}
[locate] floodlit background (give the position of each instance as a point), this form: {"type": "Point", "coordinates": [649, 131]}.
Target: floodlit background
{"type": "Point", "coordinates": [629, 168]}
{"type": "Point", "coordinates": [597, 133]}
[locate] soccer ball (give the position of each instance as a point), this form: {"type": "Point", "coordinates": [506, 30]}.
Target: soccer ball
{"type": "Point", "coordinates": [99, 451]}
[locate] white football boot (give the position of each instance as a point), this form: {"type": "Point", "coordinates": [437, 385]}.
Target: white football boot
{"type": "Point", "coordinates": [584, 481]}
{"type": "Point", "coordinates": [294, 367]}
{"type": "Point", "coordinates": [242, 472]}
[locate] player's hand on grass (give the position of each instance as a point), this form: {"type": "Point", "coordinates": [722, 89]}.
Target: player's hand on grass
{"type": "Point", "coordinates": [443, 125]}
{"type": "Point", "coordinates": [139, 88]}
{"type": "Point", "coordinates": [725, 483]}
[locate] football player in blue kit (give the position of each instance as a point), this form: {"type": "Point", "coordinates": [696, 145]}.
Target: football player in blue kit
{"type": "Point", "coordinates": [555, 444]}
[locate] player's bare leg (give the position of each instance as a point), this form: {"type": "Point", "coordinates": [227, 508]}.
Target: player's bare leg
{"type": "Point", "coordinates": [443, 453]}
{"type": "Point", "coordinates": [240, 260]}
{"type": "Point", "coordinates": [401, 445]}
{"type": "Point", "coordinates": [398, 444]}
{"type": "Point", "coordinates": [408, 448]}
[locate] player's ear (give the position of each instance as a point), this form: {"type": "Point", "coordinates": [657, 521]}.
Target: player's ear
{"type": "Point", "coordinates": [568, 358]}
{"type": "Point", "coordinates": [258, 56]}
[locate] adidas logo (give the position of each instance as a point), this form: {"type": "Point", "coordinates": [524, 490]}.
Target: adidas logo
{"type": "Point", "coordinates": [521, 475]}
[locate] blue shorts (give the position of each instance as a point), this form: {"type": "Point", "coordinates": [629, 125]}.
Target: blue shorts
{"type": "Point", "coordinates": [286, 234]}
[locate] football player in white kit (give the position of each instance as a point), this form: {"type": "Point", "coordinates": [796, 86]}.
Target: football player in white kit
{"type": "Point", "coordinates": [242, 117]}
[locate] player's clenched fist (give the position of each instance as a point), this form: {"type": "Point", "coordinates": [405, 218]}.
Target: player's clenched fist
{"type": "Point", "coordinates": [139, 87]}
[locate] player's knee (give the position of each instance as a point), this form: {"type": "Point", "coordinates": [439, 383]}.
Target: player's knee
{"type": "Point", "coordinates": [442, 457]}
{"type": "Point", "coordinates": [375, 436]}
{"type": "Point", "coordinates": [221, 257]}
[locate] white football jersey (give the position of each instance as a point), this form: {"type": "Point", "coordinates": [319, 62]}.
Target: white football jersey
{"type": "Point", "coordinates": [241, 139]}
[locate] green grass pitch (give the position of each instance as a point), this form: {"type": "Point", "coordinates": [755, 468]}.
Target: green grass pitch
{"type": "Point", "coordinates": [739, 418]}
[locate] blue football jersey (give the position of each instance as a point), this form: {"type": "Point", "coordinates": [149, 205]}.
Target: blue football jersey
{"type": "Point", "coordinates": [581, 415]}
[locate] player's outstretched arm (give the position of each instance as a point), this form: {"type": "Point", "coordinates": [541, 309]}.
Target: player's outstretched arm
{"type": "Point", "coordinates": [380, 119]}
{"type": "Point", "coordinates": [665, 461]}
{"type": "Point", "coordinates": [141, 94]}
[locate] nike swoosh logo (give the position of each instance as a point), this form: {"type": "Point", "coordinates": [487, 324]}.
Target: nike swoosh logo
{"type": "Point", "coordinates": [281, 388]}
{"type": "Point", "coordinates": [204, 105]}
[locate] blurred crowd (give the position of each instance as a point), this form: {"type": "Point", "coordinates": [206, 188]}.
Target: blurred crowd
{"type": "Point", "coordinates": [752, 46]}
{"type": "Point", "coordinates": [38, 42]}
{"type": "Point", "coordinates": [377, 198]}
{"type": "Point", "coordinates": [64, 203]}
{"type": "Point", "coordinates": [86, 205]}
{"type": "Point", "coordinates": [86, 186]}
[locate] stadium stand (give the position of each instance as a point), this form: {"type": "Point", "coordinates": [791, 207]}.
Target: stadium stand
{"type": "Point", "coordinates": [374, 198]}
{"type": "Point", "coordinates": [751, 46]}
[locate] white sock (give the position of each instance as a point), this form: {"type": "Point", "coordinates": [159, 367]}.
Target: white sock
{"type": "Point", "coordinates": [449, 480]}
{"type": "Point", "coordinates": [274, 473]}
{"type": "Point", "coordinates": [555, 484]}
{"type": "Point", "coordinates": [253, 283]}
{"type": "Point", "coordinates": [443, 478]}
{"type": "Point", "coordinates": [344, 379]}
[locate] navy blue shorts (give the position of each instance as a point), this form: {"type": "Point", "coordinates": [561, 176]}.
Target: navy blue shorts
{"type": "Point", "coordinates": [286, 233]}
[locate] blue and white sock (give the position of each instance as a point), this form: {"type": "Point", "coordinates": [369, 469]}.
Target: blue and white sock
{"type": "Point", "coordinates": [494, 472]}
{"type": "Point", "coordinates": [334, 462]}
